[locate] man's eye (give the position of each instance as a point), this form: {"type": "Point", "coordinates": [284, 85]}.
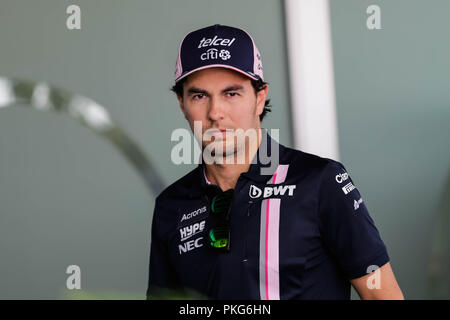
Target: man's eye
{"type": "Point", "coordinates": [198, 96]}
{"type": "Point", "coordinates": [232, 94]}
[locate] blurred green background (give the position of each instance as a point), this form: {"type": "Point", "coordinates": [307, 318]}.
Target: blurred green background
{"type": "Point", "coordinates": [68, 197]}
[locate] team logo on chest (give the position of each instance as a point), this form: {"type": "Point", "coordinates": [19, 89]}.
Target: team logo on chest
{"type": "Point", "coordinates": [193, 214]}
{"type": "Point", "coordinates": [279, 190]}
{"type": "Point", "coordinates": [186, 233]}
{"type": "Point", "coordinates": [190, 245]}
{"type": "Point", "coordinates": [192, 230]}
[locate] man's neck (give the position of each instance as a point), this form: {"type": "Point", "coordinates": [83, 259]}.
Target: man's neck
{"type": "Point", "coordinates": [226, 175]}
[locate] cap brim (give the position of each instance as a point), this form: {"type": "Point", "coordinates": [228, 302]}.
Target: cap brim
{"type": "Point", "coordinates": [254, 77]}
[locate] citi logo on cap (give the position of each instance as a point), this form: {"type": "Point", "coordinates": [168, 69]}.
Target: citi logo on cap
{"type": "Point", "coordinates": [215, 54]}
{"type": "Point", "coordinates": [215, 42]}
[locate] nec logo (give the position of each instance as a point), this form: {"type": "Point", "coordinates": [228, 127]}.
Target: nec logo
{"type": "Point", "coordinates": [190, 245]}
{"type": "Point", "coordinates": [255, 192]}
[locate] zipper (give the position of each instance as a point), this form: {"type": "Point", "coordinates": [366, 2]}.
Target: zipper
{"type": "Point", "coordinates": [245, 258]}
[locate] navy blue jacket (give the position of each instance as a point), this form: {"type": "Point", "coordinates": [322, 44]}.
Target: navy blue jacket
{"type": "Point", "coordinates": [301, 232]}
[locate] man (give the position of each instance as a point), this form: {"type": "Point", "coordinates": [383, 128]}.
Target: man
{"type": "Point", "coordinates": [293, 227]}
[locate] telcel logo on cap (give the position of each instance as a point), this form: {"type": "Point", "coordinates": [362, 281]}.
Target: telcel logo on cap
{"type": "Point", "coordinates": [219, 46]}
{"type": "Point", "coordinates": [215, 42]}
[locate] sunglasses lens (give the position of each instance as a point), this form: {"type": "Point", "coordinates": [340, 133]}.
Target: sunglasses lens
{"type": "Point", "coordinates": [219, 237]}
{"type": "Point", "coordinates": [221, 203]}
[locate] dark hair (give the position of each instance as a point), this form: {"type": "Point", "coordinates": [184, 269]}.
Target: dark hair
{"type": "Point", "coordinates": [258, 85]}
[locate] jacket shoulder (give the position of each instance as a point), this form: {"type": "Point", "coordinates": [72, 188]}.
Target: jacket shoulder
{"type": "Point", "coordinates": [181, 187]}
{"type": "Point", "coordinates": [308, 161]}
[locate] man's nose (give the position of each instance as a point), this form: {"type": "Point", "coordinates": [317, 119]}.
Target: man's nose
{"type": "Point", "coordinates": [215, 111]}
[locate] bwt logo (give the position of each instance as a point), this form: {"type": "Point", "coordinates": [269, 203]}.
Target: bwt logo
{"type": "Point", "coordinates": [255, 192]}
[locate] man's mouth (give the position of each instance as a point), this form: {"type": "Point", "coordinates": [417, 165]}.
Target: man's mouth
{"type": "Point", "coordinates": [217, 132]}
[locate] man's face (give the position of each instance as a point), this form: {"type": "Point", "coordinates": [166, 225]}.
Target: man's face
{"type": "Point", "coordinates": [221, 99]}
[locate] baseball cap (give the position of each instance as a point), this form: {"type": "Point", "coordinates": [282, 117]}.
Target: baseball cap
{"type": "Point", "coordinates": [218, 46]}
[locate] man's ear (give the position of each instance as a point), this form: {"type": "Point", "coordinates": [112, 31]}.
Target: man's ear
{"type": "Point", "coordinates": [180, 101]}
{"type": "Point", "coordinates": [261, 99]}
